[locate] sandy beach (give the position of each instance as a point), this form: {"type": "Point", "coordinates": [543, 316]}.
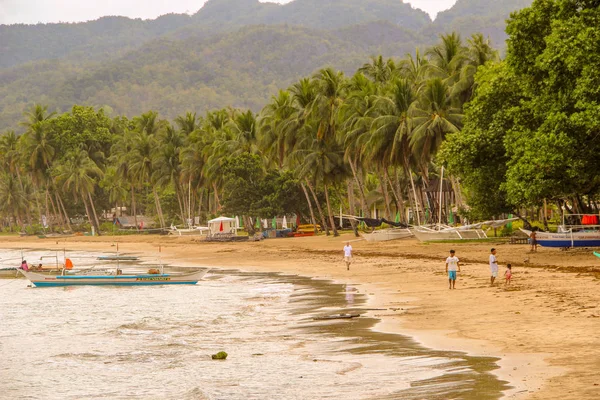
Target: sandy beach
{"type": "Point", "coordinates": [544, 326]}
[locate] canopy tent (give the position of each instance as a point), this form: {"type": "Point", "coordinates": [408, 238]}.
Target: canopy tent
{"type": "Point", "coordinates": [222, 225]}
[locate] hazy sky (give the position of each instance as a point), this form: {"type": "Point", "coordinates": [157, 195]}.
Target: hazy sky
{"type": "Point", "coordinates": [34, 11]}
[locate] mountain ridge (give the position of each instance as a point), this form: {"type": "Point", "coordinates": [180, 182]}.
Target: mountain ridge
{"type": "Point", "coordinates": [198, 62]}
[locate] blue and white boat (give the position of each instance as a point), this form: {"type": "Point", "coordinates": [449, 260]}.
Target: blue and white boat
{"type": "Point", "coordinates": [113, 278]}
{"type": "Point", "coordinates": [568, 237]}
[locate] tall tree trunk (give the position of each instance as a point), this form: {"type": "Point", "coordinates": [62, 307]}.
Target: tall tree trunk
{"type": "Point", "coordinates": [351, 205]}
{"type": "Point", "coordinates": [177, 192]}
{"type": "Point", "coordinates": [133, 209]}
{"type": "Point", "coordinates": [386, 195]}
{"type": "Point", "coordinates": [200, 200]}
{"type": "Point", "coordinates": [87, 211]}
{"type": "Point", "coordinates": [249, 226]}
{"type": "Point", "coordinates": [397, 195]}
{"type": "Point", "coordinates": [27, 210]}
{"type": "Point", "coordinates": [62, 205]}
{"type": "Point", "coordinates": [310, 207]}
{"type": "Point", "coordinates": [96, 220]}
{"type": "Point", "coordinates": [361, 190]}
{"type": "Point", "coordinates": [417, 206]}
{"type": "Point", "coordinates": [217, 201]}
{"type": "Point", "coordinates": [331, 221]}
{"type": "Point", "coordinates": [161, 218]}
{"type": "Point", "coordinates": [457, 192]}
{"type": "Point", "coordinates": [312, 190]}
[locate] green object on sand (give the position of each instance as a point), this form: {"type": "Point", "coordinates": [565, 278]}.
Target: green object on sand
{"type": "Point", "coordinates": [219, 356]}
{"type": "Point", "coordinates": [597, 254]}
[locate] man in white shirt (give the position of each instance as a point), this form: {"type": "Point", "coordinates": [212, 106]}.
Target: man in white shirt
{"type": "Point", "coordinates": [493, 266]}
{"type": "Point", "coordinates": [348, 255]}
{"type": "Point", "coordinates": [452, 266]}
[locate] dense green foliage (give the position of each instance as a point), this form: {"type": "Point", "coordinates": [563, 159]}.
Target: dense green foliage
{"type": "Point", "coordinates": [532, 129]}
{"type": "Point", "coordinates": [230, 53]}
{"type": "Point", "coordinates": [329, 141]}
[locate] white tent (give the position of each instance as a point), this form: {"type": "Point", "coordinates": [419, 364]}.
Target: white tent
{"type": "Point", "coordinates": [222, 225]}
{"type": "Point", "coordinates": [284, 223]}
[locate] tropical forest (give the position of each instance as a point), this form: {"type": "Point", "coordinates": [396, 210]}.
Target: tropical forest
{"type": "Point", "coordinates": [427, 123]}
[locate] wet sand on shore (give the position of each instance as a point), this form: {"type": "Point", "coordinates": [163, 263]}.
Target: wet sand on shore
{"type": "Point", "coordinates": [544, 326]}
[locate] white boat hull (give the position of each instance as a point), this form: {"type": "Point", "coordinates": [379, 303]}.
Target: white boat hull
{"type": "Point", "coordinates": [430, 235]}
{"type": "Point", "coordinates": [567, 239]}
{"type": "Point", "coordinates": [43, 280]}
{"type": "Point", "coordinates": [384, 235]}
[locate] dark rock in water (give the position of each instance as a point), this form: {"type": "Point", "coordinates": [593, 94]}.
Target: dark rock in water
{"type": "Point", "coordinates": [219, 356]}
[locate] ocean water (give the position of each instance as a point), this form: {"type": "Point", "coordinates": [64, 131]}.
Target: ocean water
{"type": "Point", "coordinates": [156, 343]}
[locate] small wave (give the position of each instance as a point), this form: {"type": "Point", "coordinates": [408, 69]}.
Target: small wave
{"type": "Point", "coordinates": [193, 394]}
{"type": "Point", "coordinates": [79, 356]}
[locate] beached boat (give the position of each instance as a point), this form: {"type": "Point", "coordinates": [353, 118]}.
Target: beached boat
{"type": "Point", "coordinates": [303, 234]}
{"type": "Point", "coordinates": [429, 234]}
{"type": "Point", "coordinates": [568, 237]}
{"type": "Point", "coordinates": [383, 235]}
{"type": "Point", "coordinates": [194, 231]}
{"type": "Point", "coordinates": [113, 278]}
{"type": "Point", "coordinates": [8, 272]}
{"type": "Point", "coordinates": [465, 232]}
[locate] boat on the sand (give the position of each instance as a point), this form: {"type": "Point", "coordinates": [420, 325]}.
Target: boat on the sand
{"type": "Point", "coordinates": [567, 237]}
{"type": "Point", "coordinates": [113, 278]}
{"type": "Point", "coordinates": [383, 235]}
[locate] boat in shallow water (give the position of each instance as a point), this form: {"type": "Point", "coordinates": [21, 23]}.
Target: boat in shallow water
{"type": "Point", "coordinates": [113, 278]}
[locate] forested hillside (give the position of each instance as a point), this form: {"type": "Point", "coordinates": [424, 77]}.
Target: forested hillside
{"type": "Point", "coordinates": [231, 52]}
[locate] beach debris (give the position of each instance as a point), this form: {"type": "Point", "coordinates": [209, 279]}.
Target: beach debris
{"type": "Point", "coordinates": [337, 316]}
{"type": "Point", "coordinates": [219, 356]}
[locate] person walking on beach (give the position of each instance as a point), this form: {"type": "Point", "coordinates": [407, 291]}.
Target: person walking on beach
{"type": "Point", "coordinates": [348, 255]}
{"type": "Point", "coordinates": [493, 266]}
{"type": "Point", "coordinates": [452, 267]}
{"type": "Point", "coordinates": [508, 274]}
{"type": "Point", "coordinates": [533, 240]}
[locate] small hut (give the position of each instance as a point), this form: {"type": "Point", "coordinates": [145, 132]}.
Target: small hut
{"type": "Point", "coordinates": [222, 226]}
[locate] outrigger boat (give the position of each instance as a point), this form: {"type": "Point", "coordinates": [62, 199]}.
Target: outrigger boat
{"type": "Point", "coordinates": [113, 278]}
{"type": "Point", "coordinates": [582, 231]}
{"type": "Point", "coordinates": [383, 235]}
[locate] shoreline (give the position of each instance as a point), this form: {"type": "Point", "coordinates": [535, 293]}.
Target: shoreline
{"type": "Point", "coordinates": [511, 324]}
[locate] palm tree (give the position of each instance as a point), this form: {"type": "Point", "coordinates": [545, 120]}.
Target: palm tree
{"type": "Point", "coordinates": [187, 124]}
{"type": "Point", "coordinates": [114, 186]}
{"type": "Point", "coordinates": [322, 161]}
{"type": "Point", "coordinates": [79, 174]}
{"type": "Point", "coordinates": [277, 135]}
{"type": "Point", "coordinates": [166, 167]}
{"type": "Point", "coordinates": [378, 70]}
{"type": "Point", "coordinates": [120, 159]}
{"type": "Point", "coordinates": [36, 114]}
{"type": "Point", "coordinates": [357, 114]}
{"type": "Point", "coordinates": [392, 129]}
{"type": "Point", "coordinates": [448, 57]}
{"type": "Point", "coordinates": [325, 107]}
{"type": "Point", "coordinates": [12, 198]}
{"type": "Point", "coordinates": [434, 117]}
{"type": "Point", "coordinates": [143, 146]}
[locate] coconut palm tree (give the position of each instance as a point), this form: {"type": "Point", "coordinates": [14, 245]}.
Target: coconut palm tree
{"type": "Point", "coordinates": [434, 116]}
{"type": "Point", "coordinates": [379, 70]}
{"type": "Point", "coordinates": [12, 198]}
{"type": "Point", "coordinates": [391, 131]}
{"type": "Point", "coordinates": [79, 174]}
